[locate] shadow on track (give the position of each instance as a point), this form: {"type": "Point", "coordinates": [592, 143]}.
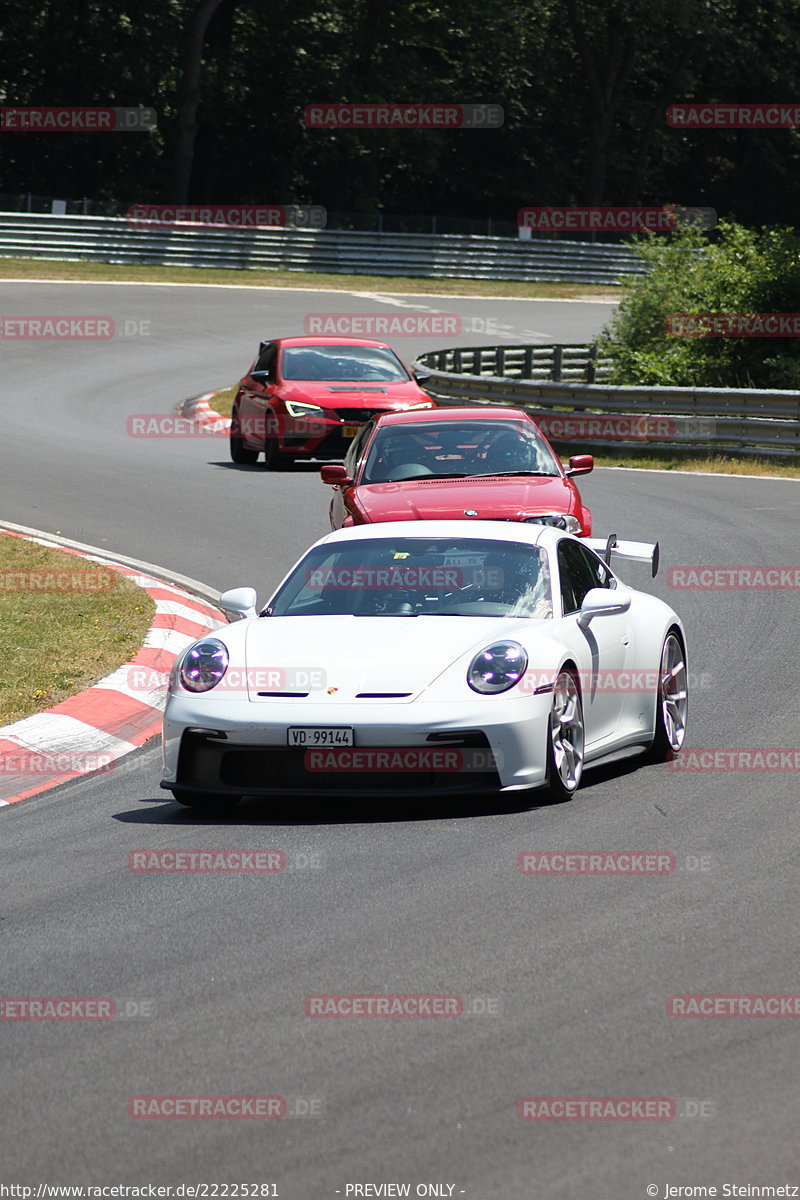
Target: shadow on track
{"type": "Point", "coordinates": [302, 468]}
{"type": "Point", "coordinates": [368, 810]}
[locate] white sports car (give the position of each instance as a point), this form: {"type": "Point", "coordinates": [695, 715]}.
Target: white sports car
{"type": "Point", "coordinates": [443, 656]}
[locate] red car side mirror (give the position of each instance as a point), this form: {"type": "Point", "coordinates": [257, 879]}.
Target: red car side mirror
{"type": "Point", "coordinates": [580, 464]}
{"type": "Point", "coordinates": [333, 473]}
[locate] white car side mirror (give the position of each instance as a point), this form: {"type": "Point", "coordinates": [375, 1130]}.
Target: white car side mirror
{"type": "Point", "coordinates": [603, 602]}
{"type": "Point", "coordinates": [238, 603]}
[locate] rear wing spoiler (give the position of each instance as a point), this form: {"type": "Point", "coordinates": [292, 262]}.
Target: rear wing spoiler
{"type": "Point", "coordinates": [641, 552]}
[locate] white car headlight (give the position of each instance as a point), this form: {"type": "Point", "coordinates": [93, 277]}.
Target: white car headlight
{"type": "Point", "coordinates": [203, 665]}
{"type": "Point", "coordinates": [497, 668]}
{"type": "Point", "coordinates": [558, 520]}
{"type": "Point", "coordinates": [417, 404]}
{"type": "Point", "coordinates": [302, 410]}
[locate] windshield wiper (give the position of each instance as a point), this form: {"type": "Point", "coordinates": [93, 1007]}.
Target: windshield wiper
{"type": "Point", "coordinates": [409, 478]}
{"type": "Point", "coordinates": [412, 614]}
{"type": "Point", "coordinates": [506, 474]}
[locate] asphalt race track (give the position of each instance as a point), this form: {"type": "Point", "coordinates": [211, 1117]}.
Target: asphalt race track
{"type": "Point", "coordinates": [383, 899]}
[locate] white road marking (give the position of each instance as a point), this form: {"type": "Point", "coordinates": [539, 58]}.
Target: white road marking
{"type": "Point", "coordinates": [706, 474]}
{"type": "Point", "coordinates": [333, 291]}
{"type": "Point", "coordinates": [120, 681]}
{"type": "Point", "coordinates": [56, 733]}
{"type": "Point", "coordinates": [170, 639]}
{"type": "Point", "coordinates": [388, 298]}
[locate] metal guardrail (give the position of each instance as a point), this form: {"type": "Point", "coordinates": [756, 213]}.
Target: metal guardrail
{"type": "Point", "coordinates": [378, 222]}
{"type": "Point", "coordinates": [424, 256]}
{"type": "Point", "coordinates": [747, 422]}
{"type": "Point", "coordinates": [568, 362]}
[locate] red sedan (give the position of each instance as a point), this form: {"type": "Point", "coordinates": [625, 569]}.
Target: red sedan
{"type": "Point", "coordinates": [454, 463]}
{"type": "Point", "coordinates": [307, 397]}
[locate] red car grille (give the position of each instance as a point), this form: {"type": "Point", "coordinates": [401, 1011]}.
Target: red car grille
{"type": "Point", "coordinates": [359, 416]}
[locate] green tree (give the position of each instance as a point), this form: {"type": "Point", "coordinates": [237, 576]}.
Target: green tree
{"type": "Point", "coordinates": [743, 272]}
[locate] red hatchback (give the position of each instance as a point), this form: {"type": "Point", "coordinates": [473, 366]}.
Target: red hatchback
{"type": "Point", "coordinates": [307, 397]}
{"type": "Point", "coordinates": [457, 463]}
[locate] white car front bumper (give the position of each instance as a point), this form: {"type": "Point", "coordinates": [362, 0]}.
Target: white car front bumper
{"type": "Point", "coordinates": [226, 746]}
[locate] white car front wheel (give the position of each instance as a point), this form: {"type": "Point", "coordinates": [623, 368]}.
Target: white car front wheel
{"type": "Point", "coordinates": [565, 738]}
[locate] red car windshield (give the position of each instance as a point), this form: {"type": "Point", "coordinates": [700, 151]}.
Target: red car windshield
{"type": "Point", "coordinates": [343, 364]}
{"type": "Point", "coordinates": [452, 448]}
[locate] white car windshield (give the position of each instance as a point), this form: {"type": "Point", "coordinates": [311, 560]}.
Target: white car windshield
{"type": "Point", "coordinates": [345, 364]}
{"type": "Point", "coordinates": [447, 449]}
{"type": "Point", "coordinates": [418, 576]}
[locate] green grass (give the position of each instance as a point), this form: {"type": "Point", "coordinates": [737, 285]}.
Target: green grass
{"type": "Point", "coordinates": [36, 268]}
{"type": "Point", "coordinates": [222, 402]}
{"type": "Point", "coordinates": [54, 644]}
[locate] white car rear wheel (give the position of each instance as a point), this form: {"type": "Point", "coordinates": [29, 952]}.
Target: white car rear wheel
{"type": "Point", "coordinates": [671, 701]}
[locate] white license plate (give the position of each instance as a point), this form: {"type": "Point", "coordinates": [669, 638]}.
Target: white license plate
{"type": "Point", "coordinates": [320, 735]}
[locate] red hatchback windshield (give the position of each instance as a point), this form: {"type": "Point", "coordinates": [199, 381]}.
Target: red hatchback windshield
{"type": "Point", "coordinates": [449, 449]}
{"type": "Point", "coordinates": [346, 364]}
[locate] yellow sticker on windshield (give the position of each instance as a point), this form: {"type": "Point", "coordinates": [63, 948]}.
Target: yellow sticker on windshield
{"type": "Point", "coordinates": [401, 554]}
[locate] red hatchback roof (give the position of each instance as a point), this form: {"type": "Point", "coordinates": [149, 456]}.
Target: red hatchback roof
{"type": "Point", "coordinates": [445, 414]}
{"type": "Point", "coordinates": [311, 339]}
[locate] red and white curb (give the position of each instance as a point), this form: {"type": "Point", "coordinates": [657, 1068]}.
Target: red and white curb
{"type": "Point", "coordinates": [91, 730]}
{"type": "Point", "coordinates": [198, 409]}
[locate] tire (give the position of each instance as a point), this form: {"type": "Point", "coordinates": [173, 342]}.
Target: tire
{"type": "Point", "coordinates": [239, 452]}
{"type": "Point", "coordinates": [205, 800]}
{"type": "Point", "coordinates": [671, 702]}
{"type": "Point", "coordinates": [272, 454]}
{"type": "Point", "coordinates": [274, 460]}
{"type": "Point", "coordinates": [565, 738]}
